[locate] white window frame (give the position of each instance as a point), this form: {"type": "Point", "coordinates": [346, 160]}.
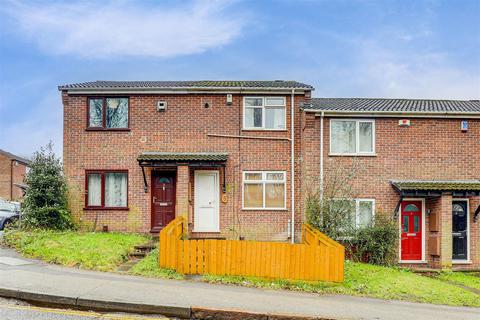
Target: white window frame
{"type": "Point", "coordinates": [263, 107]}
{"type": "Point", "coordinates": [357, 208]}
{"type": "Point", "coordinates": [357, 138]}
{"type": "Point", "coordinates": [263, 182]}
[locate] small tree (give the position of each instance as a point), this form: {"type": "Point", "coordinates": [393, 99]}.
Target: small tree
{"type": "Point", "coordinates": [45, 202]}
{"type": "Point", "coordinates": [333, 213]}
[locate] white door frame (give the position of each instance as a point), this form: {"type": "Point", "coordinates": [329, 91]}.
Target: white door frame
{"type": "Point", "coordinates": [400, 232]}
{"type": "Point", "coordinates": [217, 201]}
{"type": "Point", "coordinates": [468, 231]}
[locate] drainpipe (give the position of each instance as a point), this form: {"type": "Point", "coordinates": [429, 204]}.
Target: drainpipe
{"type": "Point", "coordinates": [321, 156]}
{"type": "Point", "coordinates": [11, 179]}
{"type": "Point", "coordinates": [292, 156]}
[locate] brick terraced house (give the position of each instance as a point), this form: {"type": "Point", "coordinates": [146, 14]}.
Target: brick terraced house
{"type": "Point", "coordinates": [236, 158]}
{"type": "Point", "coordinates": [12, 172]}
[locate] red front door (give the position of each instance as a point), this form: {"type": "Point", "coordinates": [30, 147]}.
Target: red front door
{"type": "Point", "coordinates": [411, 230]}
{"type": "Point", "coordinates": [163, 199]}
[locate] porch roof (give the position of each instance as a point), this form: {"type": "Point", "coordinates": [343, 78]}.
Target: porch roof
{"type": "Point", "coordinates": [434, 188]}
{"type": "Point", "coordinates": [183, 156]}
{"type": "Point", "coordinates": [437, 185]}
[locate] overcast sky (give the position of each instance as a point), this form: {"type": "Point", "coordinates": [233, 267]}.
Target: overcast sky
{"type": "Point", "coordinates": [408, 49]}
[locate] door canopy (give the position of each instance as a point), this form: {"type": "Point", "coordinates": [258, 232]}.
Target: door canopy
{"type": "Point", "coordinates": [435, 188]}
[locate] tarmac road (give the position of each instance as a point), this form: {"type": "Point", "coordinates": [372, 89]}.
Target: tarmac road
{"type": "Point", "coordinates": [19, 310]}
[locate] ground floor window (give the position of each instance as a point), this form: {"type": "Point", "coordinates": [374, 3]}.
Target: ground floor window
{"type": "Point", "coordinates": [106, 189]}
{"type": "Point", "coordinates": [360, 212]}
{"type": "Point", "coordinates": [264, 190]}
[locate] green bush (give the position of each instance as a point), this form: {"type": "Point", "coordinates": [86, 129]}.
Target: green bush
{"type": "Point", "coordinates": [45, 202]}
{"type": "Point", "coordinates": [376, 243]}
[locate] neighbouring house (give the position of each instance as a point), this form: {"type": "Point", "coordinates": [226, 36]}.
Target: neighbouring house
{"type": "Point", "coordinates": [12, 172]}
{"type": "Point", "coordinates": [228, 157]}
{"type": "Point", "coordinates": [137, 154]}
{"type": "Point", "coordinates": [416, 160]}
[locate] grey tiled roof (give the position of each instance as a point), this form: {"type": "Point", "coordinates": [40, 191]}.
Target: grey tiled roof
{"type": "Point", "coordinates": [437, 185]}
{"type": "Point", "coordinates": [182, 156]}
{"type": "Point", "coordinates": [392, 105]}
{"type": "Point", "coordinates": [14, 157]}
{"type": "Point", "coordinates": [280, 84]}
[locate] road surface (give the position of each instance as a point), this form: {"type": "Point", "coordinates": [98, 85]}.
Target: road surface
{"type": "Point", "coordinates": [19, 310]}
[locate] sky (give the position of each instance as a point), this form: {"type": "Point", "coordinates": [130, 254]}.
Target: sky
{"type": "Point", "coordinates": [344, 48]}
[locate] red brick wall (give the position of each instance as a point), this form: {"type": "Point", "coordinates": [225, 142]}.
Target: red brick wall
{"type": "Point", "coordinates": [11, 173]}
{"type": "Point", "coordinates": [430, 149]}
{"type": "Point", "coordinates": [182, 128]}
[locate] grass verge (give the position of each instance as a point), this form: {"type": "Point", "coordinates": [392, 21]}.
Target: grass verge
{"type": "Point", "coordinates": [88, 250]}
{"type": "Point", "coordinates": [370, 281]}
{"type": "Point", "coordinates": [148, 267]}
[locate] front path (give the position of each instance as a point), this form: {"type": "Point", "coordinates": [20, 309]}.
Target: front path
{"type": "Point", "coordinates": [35, 276]}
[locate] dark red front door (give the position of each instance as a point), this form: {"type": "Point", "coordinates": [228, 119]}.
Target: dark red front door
{"type": "Point", "coordinates": [163, 199]}
{"type": "Point", "coordinates": [411, 230]}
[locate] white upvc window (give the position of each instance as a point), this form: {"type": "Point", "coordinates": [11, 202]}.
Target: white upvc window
{"type": "Point", "coordinates": [264, 113]}
{"type": "Point", "coordinates": [352, 137]}
{"type": "Point", "coordinates": [264, 190]}
{"type": "Point", "coordinates": [361, 211]}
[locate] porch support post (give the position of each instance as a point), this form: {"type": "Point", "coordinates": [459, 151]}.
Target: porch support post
{"type": "Point", "coordinates": [145, 187]}
{"type": "Point", "coordinates": [446, 245]}
{"type": "Point", "coordinates": [397, 208]}
{"type": "Point", "coordinates": [182, 194]}
{"type": "Point", "coordinates": [475, 215]}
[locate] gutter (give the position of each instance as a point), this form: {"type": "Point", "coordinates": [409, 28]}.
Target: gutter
{"type": "Point", "coordinates": [182, 90]}
{"type": "Point", "coordinates": [396, 114]}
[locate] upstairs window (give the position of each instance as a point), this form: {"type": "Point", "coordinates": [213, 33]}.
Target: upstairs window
{"type": "Point", "coordinates": [352, 137]}
{"type": "Point", "coordinates": [106, 189]}
{"type": "Point", "coordinates": [264, 113]}
{"type": "Point", "coordinates": [108, 113]}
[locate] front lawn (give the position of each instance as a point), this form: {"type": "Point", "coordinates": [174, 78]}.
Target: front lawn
{"type": "Point", "coordinates": [469, 279]}
{"type": "Point", "coordinates": [87, 250]}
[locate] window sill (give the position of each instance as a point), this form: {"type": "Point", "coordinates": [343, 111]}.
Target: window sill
{"type": "Point", "coordinates": [202, 231]}
{"type": "Point", "coordinates": [264, 129]}
{"type": "Point", "coordinates": [462, 262]}
{"type": "Point", "coordinates": [109, 129]}
{"type": "Point", "coordinates": [106, 209]}
{"type": "Point", "coordinates": [264, 209]}
{"type": "Point", "coordinates": [352, 154]}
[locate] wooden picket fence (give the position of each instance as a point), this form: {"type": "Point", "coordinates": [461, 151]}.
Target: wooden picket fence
{"type": "Point", "coordinates": [317, 258]}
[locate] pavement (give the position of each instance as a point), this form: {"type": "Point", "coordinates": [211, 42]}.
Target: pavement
{"type": "Point", "coordinates": [30, 279]}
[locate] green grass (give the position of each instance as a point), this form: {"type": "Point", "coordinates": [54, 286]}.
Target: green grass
{"type": "Point", "coordinates": [105, 251]}
{"type": "Point", "coordinates": [469, 279]}
{"type": "Point", "coordinates": [370, 281]}
{"type": "Point", "coordinates": [88, 250]}
{"type": "Point", "coordinates": [148, 267]}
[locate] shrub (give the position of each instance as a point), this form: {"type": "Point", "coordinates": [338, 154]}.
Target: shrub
{"type": "Point", "coordinates": [45, 202]}
{"type": "Point", "coordinates": [376, 243]}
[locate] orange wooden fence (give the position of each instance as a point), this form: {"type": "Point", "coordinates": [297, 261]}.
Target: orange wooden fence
{"type": "Point", "coordinates": [317, 258]}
